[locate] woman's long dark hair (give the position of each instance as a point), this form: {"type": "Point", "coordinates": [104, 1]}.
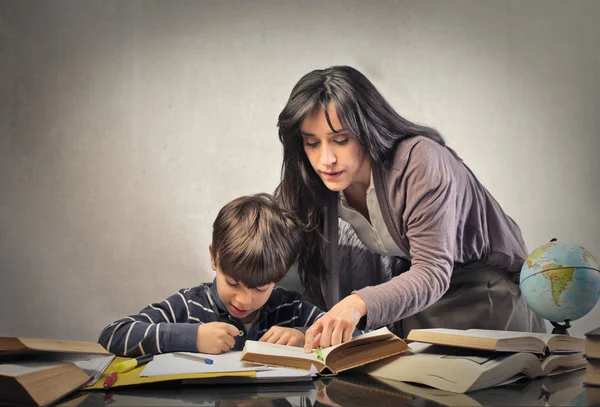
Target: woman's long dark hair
{"type": "Point", "coordinates": [371, 119]}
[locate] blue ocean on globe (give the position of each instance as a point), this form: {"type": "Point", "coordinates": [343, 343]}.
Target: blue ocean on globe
{"type": "Point", "coordinates": [560, 281]}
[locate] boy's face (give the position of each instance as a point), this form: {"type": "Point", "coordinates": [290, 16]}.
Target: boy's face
{"type": "Point", "coordinates": [241, 302]}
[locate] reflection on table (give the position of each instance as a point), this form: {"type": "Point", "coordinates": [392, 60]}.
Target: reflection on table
{"type": "Point", "coordinates": [347, 389]}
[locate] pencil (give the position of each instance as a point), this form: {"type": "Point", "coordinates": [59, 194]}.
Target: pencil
{"type": "Point", "coordinates": [197, 358]}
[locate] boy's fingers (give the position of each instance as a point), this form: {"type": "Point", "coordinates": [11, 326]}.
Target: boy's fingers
{"type": "Point", "coordinates": [283, 340]}
{"type": "Point", "coordinates": [231, 330]}
{"type": "Point", "coordinates": [229, 341]}
{"type": "Point", "coordinates": [265, 337]}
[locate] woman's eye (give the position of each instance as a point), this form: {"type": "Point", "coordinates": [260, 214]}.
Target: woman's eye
{"type": "Point", "coordinates": [342, 141]}
{"type": "Point", "coordinates": [313, 144]}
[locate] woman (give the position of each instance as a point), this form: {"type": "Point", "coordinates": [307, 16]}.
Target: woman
{"type": "Point", "coordinates": [408, 196]}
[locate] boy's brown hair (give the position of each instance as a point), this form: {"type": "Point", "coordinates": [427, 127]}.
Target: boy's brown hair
{"type": "Point", "coordinates": [255, 241]}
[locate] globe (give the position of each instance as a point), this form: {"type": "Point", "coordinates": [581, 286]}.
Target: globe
{"type": "Point", "coordinates": [560, 282]}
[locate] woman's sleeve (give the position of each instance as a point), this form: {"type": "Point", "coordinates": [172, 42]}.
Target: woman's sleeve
{"type": "Point", "coordinates": [430, 220]}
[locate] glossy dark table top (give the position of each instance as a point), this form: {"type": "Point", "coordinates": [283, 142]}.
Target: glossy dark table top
{"type": "Point", "coordinates": [347, 389]}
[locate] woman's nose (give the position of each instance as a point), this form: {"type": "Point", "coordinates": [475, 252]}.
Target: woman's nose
{"type": "Point", "coordinates": [327, 156]}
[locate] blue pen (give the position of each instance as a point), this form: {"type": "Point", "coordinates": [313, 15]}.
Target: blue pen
{"type": "Point", "coordinates": [197, 358]}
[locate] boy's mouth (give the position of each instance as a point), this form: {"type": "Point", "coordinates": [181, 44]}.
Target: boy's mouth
{"type": "Point", "coordinates": [239, 311]}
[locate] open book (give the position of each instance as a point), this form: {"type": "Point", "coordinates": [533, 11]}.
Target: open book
{"type": "Point", "coordinates": [503, 341]}
{"type": "Point", "coordinates": [462, 370]}
{"type": "Point", "coordinates": [41, 371]}
{"type": "Point", "coordinates": [46, 378]}
{"type": "Point", "coordinates": [361, 350]}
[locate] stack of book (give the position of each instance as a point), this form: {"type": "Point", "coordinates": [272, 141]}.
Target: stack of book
{"type": "Point", "coordinates": [464, 361]}
{"type": "Point", "coordinates": [592, 370]}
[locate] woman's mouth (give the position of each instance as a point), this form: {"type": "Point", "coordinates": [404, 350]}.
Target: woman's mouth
{"type": "Point", "coordinates": [331, 176]}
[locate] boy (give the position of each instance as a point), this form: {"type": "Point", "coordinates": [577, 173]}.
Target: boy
{"type": "Point", "coordinates": [254, 243]}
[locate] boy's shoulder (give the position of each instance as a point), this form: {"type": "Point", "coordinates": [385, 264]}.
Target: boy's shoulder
{"type": "Point", "coordinates": [196, 291]}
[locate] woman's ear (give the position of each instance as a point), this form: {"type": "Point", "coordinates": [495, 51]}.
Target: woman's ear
{"type": "Point", "coordinates": [212, 259]}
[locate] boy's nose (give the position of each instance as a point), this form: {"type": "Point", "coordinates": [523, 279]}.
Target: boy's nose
{"type": "Point", "coordinates": [244, 300]}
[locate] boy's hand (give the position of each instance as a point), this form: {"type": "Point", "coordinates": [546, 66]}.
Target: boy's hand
{"type": "Point", "coordinates": [215, 337]}
{"type": "Point", "coordinates": [283, 336]}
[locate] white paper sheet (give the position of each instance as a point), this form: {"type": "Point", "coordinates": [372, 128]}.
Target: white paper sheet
{"type": "Point", "coordinates": [169, 364]}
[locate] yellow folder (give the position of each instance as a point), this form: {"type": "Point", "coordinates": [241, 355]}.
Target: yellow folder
{"type": "Point", "coordinates": [133, 377]}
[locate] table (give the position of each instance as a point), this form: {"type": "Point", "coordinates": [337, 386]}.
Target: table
{"type": "Point", "coordinates": [347, 389]}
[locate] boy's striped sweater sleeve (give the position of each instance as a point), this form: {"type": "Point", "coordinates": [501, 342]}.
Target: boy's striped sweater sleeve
{"type": "Point", "coordinates": [307, 314]}
{"type": "Point", "coordinates": [161, 327]}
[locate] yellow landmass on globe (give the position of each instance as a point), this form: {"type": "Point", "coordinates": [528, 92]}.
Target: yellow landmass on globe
{"type": "Point", "coordinates": [538, 253]}
{"type": "Point", "coordinates": [558, 281]}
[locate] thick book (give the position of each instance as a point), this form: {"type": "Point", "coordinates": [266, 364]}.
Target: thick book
{"type": "Point", "coordinates": [363, 349]}
{"type": "Point", "coordinates": [592, 344]}
{"type": "Point", "coordinates": [39, 384]}
{"type": "Point", "coordinates": [592, 395]}
{"type": "Point", "coordinates": [592, 372]}
{"type": "Point", "coordinates": [463, 370]}
{"type": "Point", "coordinates": [14, 347]}
{"type": "Point", "coordinates": [501, 341]}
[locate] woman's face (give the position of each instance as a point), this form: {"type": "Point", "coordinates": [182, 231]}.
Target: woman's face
{"type": "Point", "coordinates": [337, 158]}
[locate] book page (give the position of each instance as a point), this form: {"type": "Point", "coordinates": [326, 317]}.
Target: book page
{"type": "Point", "coordinates": [455, 369]}
{"type": "Point", "coordinates": [283, 350]}
{"type": "Point", "coordinates": [13, 369]}
{"type": "Point", "coordinates": [92, 365]}
{"type": "Point", "coordinates": [489, 333]}
{"type": "Point", "coordinates": [373, 336]}
{"type": "Point", "coordinates": [54, 345]}
{"type": "Point", "coordinates": [484, 333]}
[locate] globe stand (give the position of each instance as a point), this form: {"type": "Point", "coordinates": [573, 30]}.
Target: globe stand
{"type": "Point", "coordinates": [561, 328]}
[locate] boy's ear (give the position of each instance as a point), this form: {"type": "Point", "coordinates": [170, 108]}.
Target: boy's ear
{"type": "Point", "coordinates": [212, 260]}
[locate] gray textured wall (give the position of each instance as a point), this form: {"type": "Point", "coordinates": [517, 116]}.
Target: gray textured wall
{"type": "Point", "coordinates": [126, 125]}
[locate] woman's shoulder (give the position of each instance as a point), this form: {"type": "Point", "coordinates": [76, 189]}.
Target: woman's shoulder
{"type": "Point", "coordinates": [417, 151]}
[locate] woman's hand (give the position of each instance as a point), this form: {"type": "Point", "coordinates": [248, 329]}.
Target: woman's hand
{"type": "Point", "coordinates": [337, 325]}
{"type": "Point", "coordinates": [283, 336]}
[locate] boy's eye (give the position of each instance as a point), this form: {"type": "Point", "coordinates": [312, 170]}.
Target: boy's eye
{"type": "Point", "coordinates": [262, 289]}
{"type": "Point", "coordinates": [232, 283]}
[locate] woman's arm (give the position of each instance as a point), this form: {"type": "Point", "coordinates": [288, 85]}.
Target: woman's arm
{"type": "Point", "coordinates": [429, 217]}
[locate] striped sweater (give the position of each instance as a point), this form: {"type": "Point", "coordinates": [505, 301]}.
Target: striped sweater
{"type": "Point", "coordinates": [171, 325]}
